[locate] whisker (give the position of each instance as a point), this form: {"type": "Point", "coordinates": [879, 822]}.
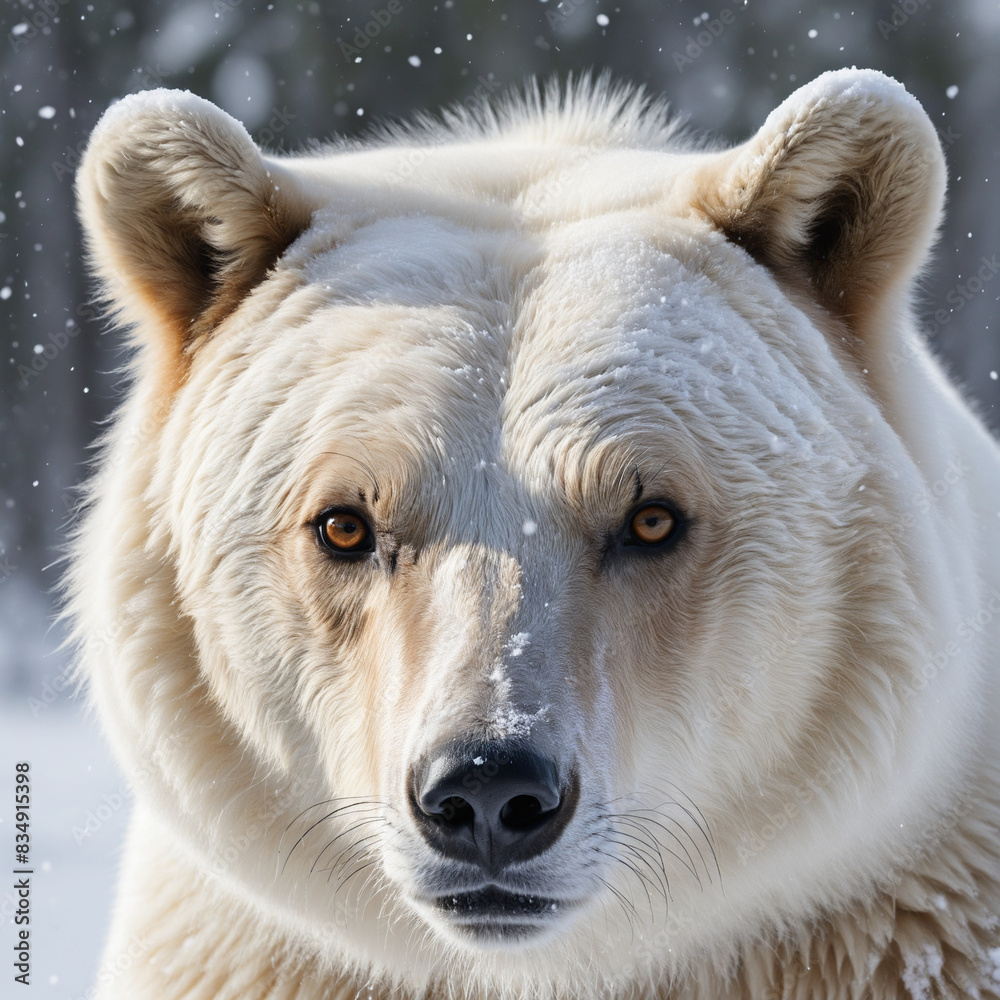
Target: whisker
{"type": "Point", "coordinates": [623, 902]}
{"type": "Point", "coordinates": [333, 865]}
{"type": "Point", "coordinates": [344, 833]}
{"type": "Point", "coordinates": [349, 830]}
{"type": "Point", "coordinates": [651, 844]}
{"type": "Point", "coordinates": [680, 826]}
{"type": "Point", "coordinates": [635, 871]}
{"type": "Point", "coordinates": [359, 851]}
{"type": "Point", "coordinates": [352, 874]}
{"type": "Point", "coordinates": [641, 858]}
{"type": "Point", "coordinates": [323, 819]}
{"type": "Point", "coordinates": [632, 816]}
{"type": "Point", "coordinates": [689, 864]}
{"type": "Point", "coordinates": [700, 822]}
{"type": "Point", "coordinates": [324, 802]}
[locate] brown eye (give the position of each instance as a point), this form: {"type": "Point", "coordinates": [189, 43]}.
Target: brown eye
{"type": "Point", "coordinates": [652, 525]}
{"type": "Point", "coordinates": [345, 531]}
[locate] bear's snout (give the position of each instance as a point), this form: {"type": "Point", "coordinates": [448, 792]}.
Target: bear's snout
{"type": "Point", "coordinates": [491, 804]}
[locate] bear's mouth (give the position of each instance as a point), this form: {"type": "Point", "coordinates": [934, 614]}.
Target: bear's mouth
{"type": "Point", "coordinates": [494, 913]}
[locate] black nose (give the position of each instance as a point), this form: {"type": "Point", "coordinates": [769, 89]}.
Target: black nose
{"type": "Point", "coordinates": [490, 803]}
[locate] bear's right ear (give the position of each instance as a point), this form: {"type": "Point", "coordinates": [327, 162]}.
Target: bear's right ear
{"type": "Point", "coordinates": [841, 190]}
{"type": "Point", "coordinates": [182, 214]}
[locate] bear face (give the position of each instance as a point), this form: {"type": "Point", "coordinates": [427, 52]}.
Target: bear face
{"type": "Point", "coordinates": [522, 530]}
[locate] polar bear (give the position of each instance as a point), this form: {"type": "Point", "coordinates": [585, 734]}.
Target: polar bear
{"type": "Point", "coordinates": [538, 557]}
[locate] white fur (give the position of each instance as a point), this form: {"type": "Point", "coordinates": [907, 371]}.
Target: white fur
{"type": "Point", "coordinates": [502, 324]}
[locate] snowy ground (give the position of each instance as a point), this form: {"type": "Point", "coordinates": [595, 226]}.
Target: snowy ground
{"type": "Point", "coordinates": [79, 808]}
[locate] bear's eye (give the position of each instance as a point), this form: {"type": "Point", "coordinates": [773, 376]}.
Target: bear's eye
{"type": "Point", "coordinates": [345, 531]}
{"type": "Point", "coordinates": [651, 525]}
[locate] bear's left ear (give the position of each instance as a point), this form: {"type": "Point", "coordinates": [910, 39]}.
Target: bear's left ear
{"type": "Point", "coordinates": [182, 214]}
{"type": "Point", "coordinates": [841, 189]}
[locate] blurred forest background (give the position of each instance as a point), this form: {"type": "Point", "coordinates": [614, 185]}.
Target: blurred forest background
{"type": "Point", "coordinates": [294, 70]}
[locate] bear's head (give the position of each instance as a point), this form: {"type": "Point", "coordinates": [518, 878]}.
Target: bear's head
{"type": "Point", "coordinates": [498, 563]}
